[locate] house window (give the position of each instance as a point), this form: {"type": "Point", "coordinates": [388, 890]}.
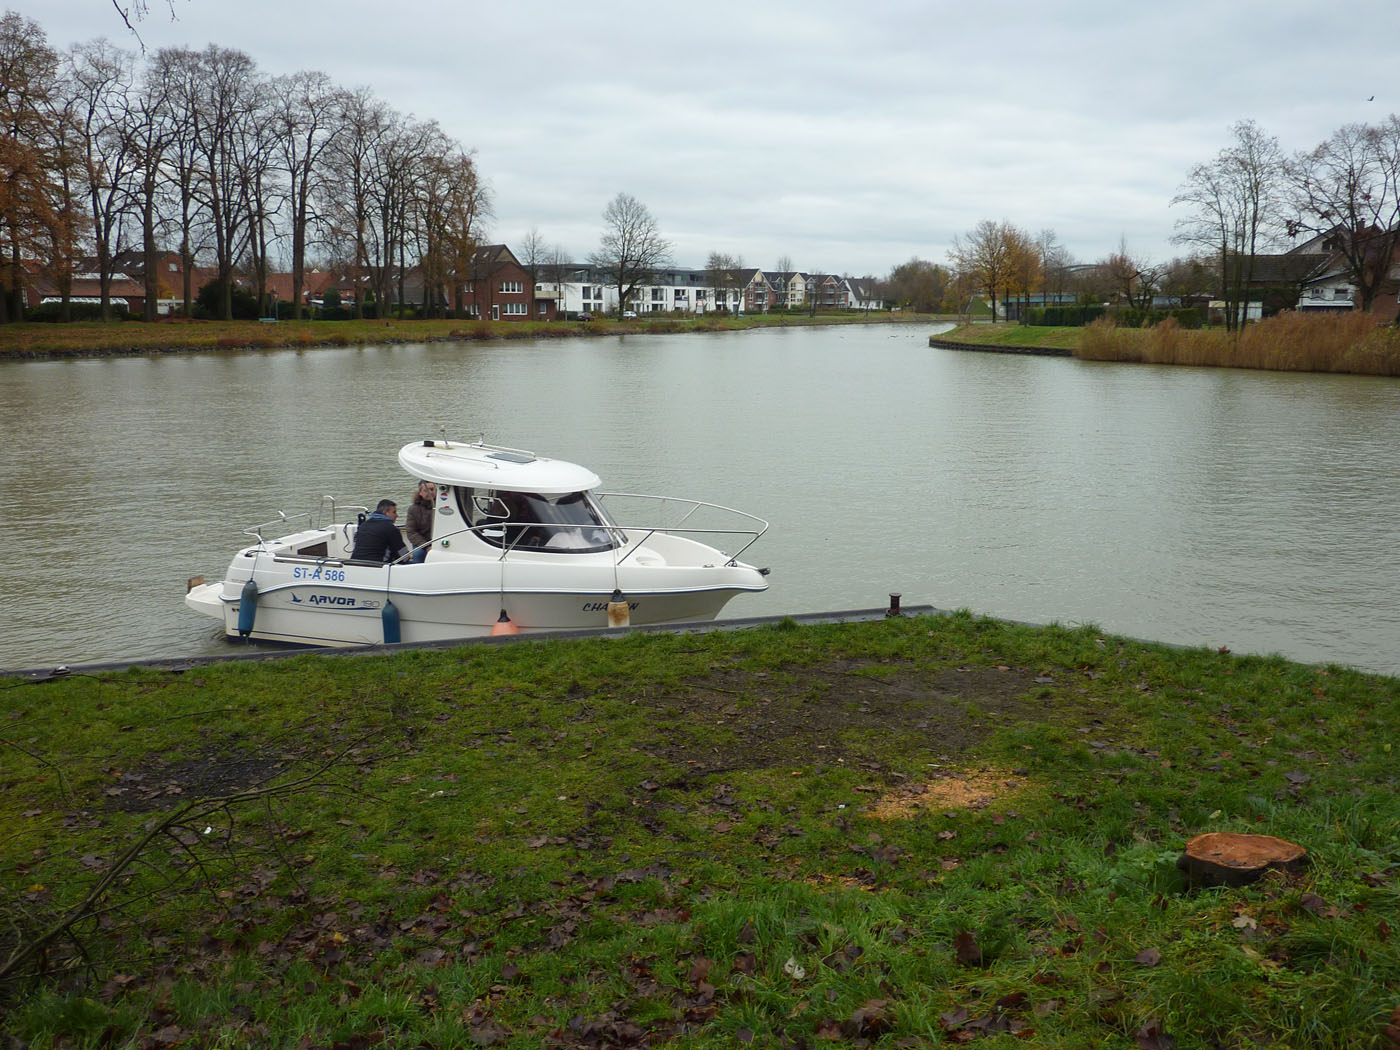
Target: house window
{"type": "Point", "coordinates": [508, 287]}
{"type": "Point", "coordinates": [515, 308]}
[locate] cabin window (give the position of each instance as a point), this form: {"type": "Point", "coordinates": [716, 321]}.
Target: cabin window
{"type": "Point", "coordinates": [570, 523]}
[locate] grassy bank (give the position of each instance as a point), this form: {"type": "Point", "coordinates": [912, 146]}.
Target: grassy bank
{"type": "Point", "coordinates": [1350, 343]}
{"type": "Point", "coordinates": [95, 339]}
{"type": "Point", "coordinates": [908, 833]}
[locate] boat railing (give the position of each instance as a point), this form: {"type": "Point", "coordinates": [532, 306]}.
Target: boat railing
{"type": "Point", "coordinates": [325, 516]}
{"type": "Point", "coordinates": [329, 519]}
{"type": "Point", "coordinates": [668, 506]}
{"type": "Point", "coordinates": [628, 534]}
{"type": "Point", "coordinates": [283, 519]}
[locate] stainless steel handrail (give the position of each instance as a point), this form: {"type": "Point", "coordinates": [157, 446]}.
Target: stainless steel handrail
{"type": "Point", "coordinates": [282, 518]}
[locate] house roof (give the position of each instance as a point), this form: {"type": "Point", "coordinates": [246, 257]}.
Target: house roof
{"type": "Point", "coordinates": [495, 254]}
{"type": "Point", "coordinates": [1289, 268]}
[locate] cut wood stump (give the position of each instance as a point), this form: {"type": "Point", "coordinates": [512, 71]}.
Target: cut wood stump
{"type": "Point", "coordinates": [1223, 858]}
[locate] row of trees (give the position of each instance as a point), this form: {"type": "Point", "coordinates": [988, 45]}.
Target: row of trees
{"type": "Point", "coordinates": [1252, 196]}
{"type": "Point", "coordinates": [1002, 262]}
{"type": "Point", "coordinates": [1249, 200]}
{"type": "Point", "coordinates": [101, 152]}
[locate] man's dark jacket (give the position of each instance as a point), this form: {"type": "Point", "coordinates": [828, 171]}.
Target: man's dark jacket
{"type": "Point", "coordinates": [378, 540]}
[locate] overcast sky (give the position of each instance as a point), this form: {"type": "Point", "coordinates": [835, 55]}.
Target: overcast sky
{"type": "Point", "coordinates": [847, 136]}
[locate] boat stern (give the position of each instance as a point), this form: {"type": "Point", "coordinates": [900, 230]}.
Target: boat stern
{"type": "Point", "coordinates": [205, 598]}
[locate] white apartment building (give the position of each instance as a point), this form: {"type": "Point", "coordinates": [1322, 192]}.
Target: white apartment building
{"type": "Point", "coordinates": [582, 290]}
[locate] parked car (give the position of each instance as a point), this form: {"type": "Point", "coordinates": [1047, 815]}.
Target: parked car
{"type": "Point", "coordinates": [585, 317]}
{"type": "Point", "coordinates": [629, 315]}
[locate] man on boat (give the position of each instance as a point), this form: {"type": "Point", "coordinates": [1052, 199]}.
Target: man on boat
{"type": "Point", "coordinates": [377, 539]}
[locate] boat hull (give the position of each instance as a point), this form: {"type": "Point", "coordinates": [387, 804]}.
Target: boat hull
{"type": "Point", "coordinates": [333, 604]}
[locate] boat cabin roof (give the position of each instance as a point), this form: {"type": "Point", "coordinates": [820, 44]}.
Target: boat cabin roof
{"type": "Point", "coordinates": [481, 466]}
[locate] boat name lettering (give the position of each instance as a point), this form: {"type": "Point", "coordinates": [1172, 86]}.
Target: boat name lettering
{"type": "Point", "coordinates": [333, 599]}
{"type": "Point", "coordinates": [306, 572]}
{"type": "Point", "coordinates": [603, 606]}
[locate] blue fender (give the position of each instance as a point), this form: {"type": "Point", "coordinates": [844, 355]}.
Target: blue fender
{"type": "Point", "coordinates": [247, 608]}
{"type": "Point", "coordinates": [390, 615]}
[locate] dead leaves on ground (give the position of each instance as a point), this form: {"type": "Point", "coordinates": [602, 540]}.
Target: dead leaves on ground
{"type": "Point", "coordinates": [955, 791]}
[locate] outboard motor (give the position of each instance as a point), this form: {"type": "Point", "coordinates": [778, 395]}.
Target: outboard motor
{"type": "Point", "coordinates": [247, 608]}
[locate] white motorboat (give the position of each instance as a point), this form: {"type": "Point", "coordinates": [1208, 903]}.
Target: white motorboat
{"type": "Point", "coordinates": [519, 543]}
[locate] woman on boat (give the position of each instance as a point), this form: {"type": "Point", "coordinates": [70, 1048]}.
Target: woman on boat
{"type": "Point", "coordinates": [419, 523]}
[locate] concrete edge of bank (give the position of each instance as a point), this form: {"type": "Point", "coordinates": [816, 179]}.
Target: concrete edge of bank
{"type": "Point", "coordinates": [991, 348]}
{"type": "Point", "coordinates": [177, 665]}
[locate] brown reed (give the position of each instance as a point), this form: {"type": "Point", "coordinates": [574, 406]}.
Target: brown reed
{"type": "Point", "coordinates": [1354, 342]}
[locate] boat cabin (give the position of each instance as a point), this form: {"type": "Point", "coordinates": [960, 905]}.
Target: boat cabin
{"type": "Point", "coordinates": [513, 499]}
{"type": "Point", "coordinates": [569, 522]}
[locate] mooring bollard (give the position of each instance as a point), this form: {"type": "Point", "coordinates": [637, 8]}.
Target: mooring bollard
{"type": "Point", "coordinates": [893, 610]}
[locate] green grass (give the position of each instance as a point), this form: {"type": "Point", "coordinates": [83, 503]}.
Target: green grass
{"type": "Point", "coordinates": [1003, 334]}
{"type": "Point", "coordinates": [765, 836]}
{"type": "Point", "coordinates": [95, 338]}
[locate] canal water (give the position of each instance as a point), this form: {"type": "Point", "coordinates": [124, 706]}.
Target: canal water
{"type": "Point", "coordinates": [1252, 510]}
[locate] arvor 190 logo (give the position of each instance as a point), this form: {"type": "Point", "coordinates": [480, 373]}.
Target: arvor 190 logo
{"type": "Point", "coordinates": [337, 600]}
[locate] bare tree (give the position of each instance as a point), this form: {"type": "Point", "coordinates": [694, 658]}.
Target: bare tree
{"type": "Point", "coordinates": [1131, 277]}
{"type": "Point", "coordinates": [631, 249]}
{"type": "Point", "coordinates": [722, 275]}
{"type": "Point", "coordinates": [784, 264]}
{"type": "Point", "coordinates": [147, 138]}
{"type": "Point", "coordinates": [1349, 188]}
{"type": "Point", "coordinates": [1055, 264]}
{"type": "Point", "coordinates": [304, 111]}
{"type": "Point", "coordinates": [469, 206]}
{"type": "Point", "coordinates": [450, 208]}
{"type": "Point", "coordinates": [394, 164]}
{"type": "Point", "coordinates": [179, 72]}
{"type": "Point", "coordinates": [136, 11]}
{"type": "Point", "coordinates": [364, 120]}
{"type": "Point", "coordinates": [226, 161]}
{"type": "Point", "coordinates": [555, 271]}
{"type": "Point", "coordinates": [533, 251]}
{"type": "Point", "coordinates": [264, 191]}
{"type": "Point", "coordinates": [97, 85]}
{"type": "Point", "coordinates": [1235, 206]}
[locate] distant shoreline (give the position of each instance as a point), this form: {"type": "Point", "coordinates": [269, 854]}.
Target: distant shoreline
{"type": "Point", "coordinates": [80, 340]}
{"type": "Point", "coordinates": [1347, 344]}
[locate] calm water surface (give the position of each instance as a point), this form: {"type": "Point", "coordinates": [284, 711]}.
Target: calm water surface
{"type": "Point", "coordinates": [1207, 507]}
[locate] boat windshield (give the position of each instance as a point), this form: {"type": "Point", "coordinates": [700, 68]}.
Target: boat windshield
{"type": "Point", "coordinates": [570, 523]}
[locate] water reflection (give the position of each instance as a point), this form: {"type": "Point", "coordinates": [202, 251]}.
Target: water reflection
{"type": "Point", "coordinates": [1201, 506]}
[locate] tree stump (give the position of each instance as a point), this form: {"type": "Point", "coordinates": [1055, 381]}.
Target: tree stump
{"type": "Point", "coordinates": [1223, 858]}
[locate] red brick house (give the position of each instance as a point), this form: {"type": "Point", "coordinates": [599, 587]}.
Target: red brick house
{"type": "Point", "coordinates": [498, 288]}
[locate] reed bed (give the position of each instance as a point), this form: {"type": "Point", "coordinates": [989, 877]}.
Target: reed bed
{"type": "Point", "coordinates": [1355, 343]}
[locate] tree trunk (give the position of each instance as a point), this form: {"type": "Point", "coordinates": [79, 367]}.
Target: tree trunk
{"type": "Point", "coordinates": [1229, 859]}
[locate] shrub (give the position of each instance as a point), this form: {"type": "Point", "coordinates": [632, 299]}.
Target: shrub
{"type": "Point", "coordinates": [209, 305]}
{"type": "Point", "coordinates": [1064, 316]}
{"type": "Point", "coordinates": [53, 312]}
